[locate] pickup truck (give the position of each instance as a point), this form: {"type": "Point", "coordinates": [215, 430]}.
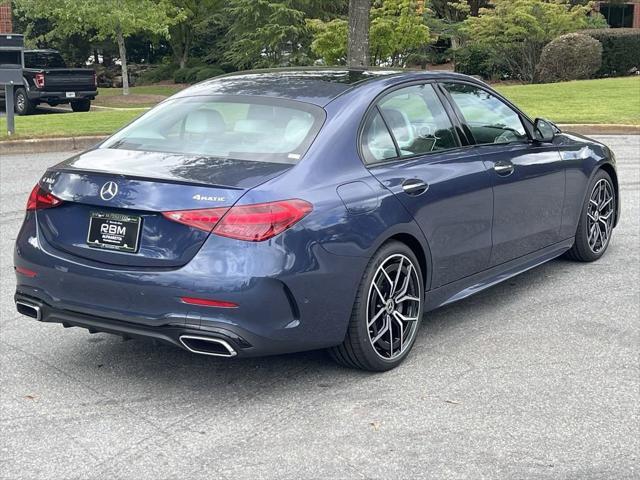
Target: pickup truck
{"type": "Point", "coordinates": [46, 79]}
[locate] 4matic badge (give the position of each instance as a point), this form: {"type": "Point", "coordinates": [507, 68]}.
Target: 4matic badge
{"type": "Point", "coordinates": [206, 198]}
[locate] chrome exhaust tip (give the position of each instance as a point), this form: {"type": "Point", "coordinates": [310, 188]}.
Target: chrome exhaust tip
{"type": "Point", "coordinates": [216, 347]}
{"type": "Point", "coordinates": [29, 309]}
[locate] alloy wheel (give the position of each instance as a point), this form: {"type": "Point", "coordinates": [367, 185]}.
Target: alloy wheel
{"type": "Point", "coordinates": [600, 215]}
{"type": "Point", "coordinates": [393, 306]}
{"type": "Point", "coordinates": [20, 102]}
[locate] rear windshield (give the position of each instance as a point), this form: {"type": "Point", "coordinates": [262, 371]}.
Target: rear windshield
{"type": "Point", "coordinates": [43, 60]}
{"type": "Point", "coordinates": [240, 128]}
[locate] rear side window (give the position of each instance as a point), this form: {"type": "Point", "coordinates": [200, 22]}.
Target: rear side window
{"type": "Point", "coordinates": [376, 140]}
{"type": "Point", "coordinates": [489, 118]}
{"type": "Point", "coordinates": [43, 60]}
{"type": "Point", "coordinates": [235, 127]}
{"type": "Point", "coordinates": [417, 121]}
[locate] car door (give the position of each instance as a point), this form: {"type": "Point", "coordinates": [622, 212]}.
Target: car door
{"type": "Point", "coordinates": [528, 176]}
{"type": "Point", "coordinates": [412, 147]}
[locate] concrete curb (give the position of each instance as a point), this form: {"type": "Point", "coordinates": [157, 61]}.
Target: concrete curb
{"type": "Point", "coordinates": [63, 144]}
{"type": "Point", "coordinates": [43, 145]}
{"type": "Point", "coordinates": [600, 128]}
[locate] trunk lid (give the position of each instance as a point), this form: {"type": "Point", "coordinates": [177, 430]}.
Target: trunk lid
{"type": "Point", "coordinates": [140, 195]}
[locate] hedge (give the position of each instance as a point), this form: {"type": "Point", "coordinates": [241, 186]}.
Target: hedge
{"type": "Point", "coordinates": [620, 50]}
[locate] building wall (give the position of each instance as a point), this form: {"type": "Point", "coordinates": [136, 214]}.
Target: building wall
{"type": "Point", "coordinates": [601, 6]}
{"type": "Point", "coordinates": [5, 18]}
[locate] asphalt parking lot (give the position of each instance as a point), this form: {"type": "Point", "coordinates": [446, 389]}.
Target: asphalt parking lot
{"type": "Point", "coordinates": [538, 377]}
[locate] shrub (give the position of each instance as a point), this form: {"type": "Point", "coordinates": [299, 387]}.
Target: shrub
{"type": "Point", "coordinates": [208, 72]}
{"type": "Point", "coordinates": [479, 60]}
{"type": "Point", "coordinates": [197, 73]}
{"type": "Point", "coordinates": [158, 74]}
{"type": "Point", "coordinates": [620, 50]}
{"type": "Point", "coordinates": [518, 30]}
{"type": "Point", "coordinates": [570, 57]}
{"type": "Point", "coordinates": [185, 75]}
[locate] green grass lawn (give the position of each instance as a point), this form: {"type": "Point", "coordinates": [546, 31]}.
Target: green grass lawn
{"type": "Point", "coordinates": [609, 100]}
{"type": "Point", "coordinates": [144, 96]}
{"type": "Point", "coordinates": [165, 90]}
{"type": "Point", "coordinates": [615, 100]}
{"type": "Point", "coordinates": [69, 124]}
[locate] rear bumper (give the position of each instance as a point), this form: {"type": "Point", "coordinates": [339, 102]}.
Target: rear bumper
{"type": "Point", "coordinates": [60, 97]}
{"type": "Point", "coordinates": [239, 342]}
{"type": "Point", "coordinates": [285, 302]}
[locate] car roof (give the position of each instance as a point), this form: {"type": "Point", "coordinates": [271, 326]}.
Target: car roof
{"type": "Point", "coordinates": [317, 85]}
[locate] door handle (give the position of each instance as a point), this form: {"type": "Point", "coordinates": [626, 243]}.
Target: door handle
{"type": "Point", "coordinates": [504, 169]}
{"type": "Point", "coordinates": [414, 186]}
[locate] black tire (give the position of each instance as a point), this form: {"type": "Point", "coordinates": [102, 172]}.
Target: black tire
{"type": "Point", "coordinates": [21, 103]}
{"type": "Point", "coordinates": [357, 349]}
{"type": "Point", "coordinates": [82, 105]}
{"type": "Point", "coordinates": [582, 250]}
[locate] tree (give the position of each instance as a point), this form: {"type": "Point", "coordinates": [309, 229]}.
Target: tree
{"type": "Point", "coordinates": [397, 30]}
{"type": "Point", "coordinates": [194, 13]}
{"type": "Point", "coordinates": [108, 19]}
{"type": "Point", "coordinates": [330, 40]}
{"type": "Point", "coordinates": [264, 33]}
{"type": "Point", "coordinates": [515, 31]}
{"type": "Point", "coordinates": [456, 10]}
{"type": "Point", "coordinates": [358, 33]}
{"type": "Point", "coordinates": [444, 17]}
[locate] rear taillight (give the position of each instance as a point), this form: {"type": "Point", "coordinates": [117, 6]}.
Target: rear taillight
{"type": "Point", "coordinates": [253, 223]}
{"type": "Point", "coordinates": [202, 219]}
{"type": "Point", "coordinates": [261, 221]}
{"type": "Point", "coordinates": [39, 199]}
{"type": "Point", "coordinates": [95, 79]}
{"type": "Point", "coordinates": [39, 80]}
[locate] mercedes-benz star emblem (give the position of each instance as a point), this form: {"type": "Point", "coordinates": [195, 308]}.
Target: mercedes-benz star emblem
{"type": "Point", "coordinates": [108, 191]}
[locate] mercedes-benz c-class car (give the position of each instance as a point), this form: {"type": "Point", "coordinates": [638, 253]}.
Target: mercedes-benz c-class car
{"type": "Point", "coordinates": [278, 211]}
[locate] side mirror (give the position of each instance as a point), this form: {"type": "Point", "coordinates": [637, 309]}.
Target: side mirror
{"type": "Point", "coordinates": [544, 130]}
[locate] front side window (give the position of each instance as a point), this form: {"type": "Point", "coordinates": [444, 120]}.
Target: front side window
{"type": "Point", "coordinates": [489, 118]}
{"type": "Point", "coordinates": [230, 127]}
{"type": "Point", "coordinates": [416, 119]}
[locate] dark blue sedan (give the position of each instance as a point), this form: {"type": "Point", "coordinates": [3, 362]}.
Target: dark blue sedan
{"type": "Point", "coordinates": [279, 211]}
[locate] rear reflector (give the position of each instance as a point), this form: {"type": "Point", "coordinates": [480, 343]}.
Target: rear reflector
{"type": "Point", "coordinates": [253, 223]}
{"type": "Point", "coordinates": [204, 302]}
{"type": "Point", "coordinates": [40, 198]}
{"type": "Point", "coordinates": [25, 271]}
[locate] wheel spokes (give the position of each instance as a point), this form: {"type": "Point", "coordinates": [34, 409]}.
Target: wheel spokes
{"type": "Point", "coordinates": [384, 300]}
{"type": "Point", "coordinates": [395, 282]}
{"type": "Point", "coordinates": [376, 317]}
{"type": "Point", "coordinates": [405, 285]}
{"type": "Point", "coordinates": [400, 316]}
{"type": "Point", "coordinates": [382, 331]}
